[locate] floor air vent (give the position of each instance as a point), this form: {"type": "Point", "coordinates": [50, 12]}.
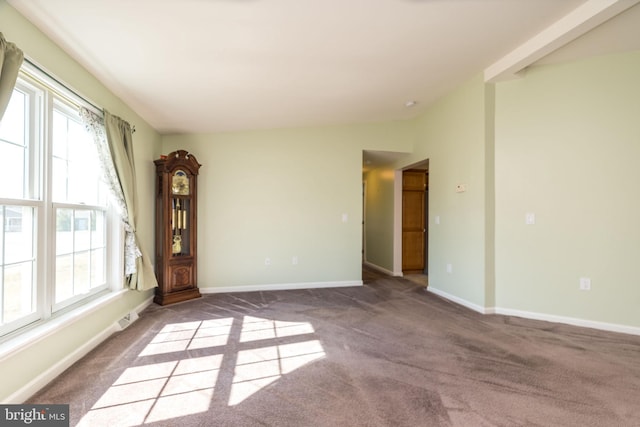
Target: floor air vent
{"type": "Point", "coordinates": [127, 320]}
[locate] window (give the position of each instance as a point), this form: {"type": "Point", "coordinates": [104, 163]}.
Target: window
{"type": "Point", "coordinates": [55, 230]}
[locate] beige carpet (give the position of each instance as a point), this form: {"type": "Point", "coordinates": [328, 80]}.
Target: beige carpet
{"type": "Point", "coordinates": [385, 354]}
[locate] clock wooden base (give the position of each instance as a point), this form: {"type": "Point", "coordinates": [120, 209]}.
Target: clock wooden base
{"type": "Point", "coordinates": [179, 296]}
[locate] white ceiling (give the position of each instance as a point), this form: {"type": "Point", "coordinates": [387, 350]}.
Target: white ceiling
{"type": "Point", "coordinates": [222, 65]}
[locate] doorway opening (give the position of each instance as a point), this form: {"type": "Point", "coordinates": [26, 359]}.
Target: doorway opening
{"type": "Point", "coordinates": [414, 224]}
{"type": "Point", "coordinates": [378, 214]}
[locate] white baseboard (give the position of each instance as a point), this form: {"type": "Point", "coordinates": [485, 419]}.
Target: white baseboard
{"type": "Point", "coordinates": [458, 300]}
{"type": "Point", "coordinates": [50, 374]}
{"type": "Point", "coordinates": [604, 326]}
{"type": "Point", "coordinates": [382, 269]}
{"type": "Point", "coordinates": [279, 287]}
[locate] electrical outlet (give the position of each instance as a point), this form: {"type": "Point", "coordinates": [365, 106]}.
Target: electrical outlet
{"type": "Point", "coordinates": [449, 268]}
{"type": "Point", "coordinates": [530, 218]}
{"type": "Point", "coordinates": [267, 261]}
{"type": "Point", "coordinates": [294, 260]}
{"type": "Point", "coordinates": [585, 284]}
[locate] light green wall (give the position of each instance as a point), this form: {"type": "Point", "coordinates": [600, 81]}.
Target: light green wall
{"type": "Point", "coordinates": [22, 367]}
{"type": "Point", "coordinates": [379, 217]}
{"type": "Point", "coordinates": [282, 193]}
{"type": "Point", "coordinates": [452, 135]}
{"type": "Point", "coordinates": [567, 149]}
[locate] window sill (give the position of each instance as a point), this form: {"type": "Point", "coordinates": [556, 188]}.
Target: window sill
{"type": "Point", "coordinates": [45, 328]}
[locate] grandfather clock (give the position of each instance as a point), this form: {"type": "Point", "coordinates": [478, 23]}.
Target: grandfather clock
{"type": "Point", "coordinates": [176, 209]}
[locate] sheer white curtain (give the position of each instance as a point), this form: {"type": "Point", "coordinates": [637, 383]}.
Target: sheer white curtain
{"type": "Point", "coordinates": [113, 139]}
{"type": "Point", "coordinates": [10, 61]}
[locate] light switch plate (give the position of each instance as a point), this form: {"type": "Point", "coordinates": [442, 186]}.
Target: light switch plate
{"type": "Point", "coordinates": [585, 284]}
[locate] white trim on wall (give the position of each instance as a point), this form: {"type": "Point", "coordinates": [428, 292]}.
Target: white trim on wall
{"type": "Point", "coordinates": [54, 371]}
{"type": "Point", "coordinates": [279, 287]}
{"type": "Point", "coordinates": [458, 300]}
{"type": "Point", "coordinates": [603, 326]}
{"type": "Point", "coordinates": [382, 269]}
{"type": "Point", "coordinates": [50, 374]}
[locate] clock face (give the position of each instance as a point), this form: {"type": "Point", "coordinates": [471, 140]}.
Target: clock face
{"type": "Point", "coordinates": [180, 183]}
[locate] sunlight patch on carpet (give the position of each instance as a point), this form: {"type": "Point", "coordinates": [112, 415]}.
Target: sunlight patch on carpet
{"type": "Point", "coordinates": [258, 368]}
{"type": "Point", "coordinates": [252, 349]}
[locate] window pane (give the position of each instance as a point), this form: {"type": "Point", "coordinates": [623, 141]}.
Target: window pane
{"type": "Point", "coordinates": [64, 277]}
{"type": "Point", "coordinates": [60, 175]}
{"type": "Point", "coordinates": [79, 143]}
{"type": "Point", "coordinates": [59, 179]}
{"type": "Point", "coordinates": [81, 273]}
{"type": "Point", "coordinates": [64, 232]}
{"type": "Point", "coordinates": [18, 233]}
{"type": "Point", "coordinates": [77, 176]}
{"type": "Point", "coordinates": [98, 227]}
{"type": "Point", "coordinates": [81, 232]}
{"type": "Point", "coordinates": [80, 246]}
{"type": "Point", "coordinates": [17, 263]}
{"type": "Point", "coordinates": [18, 295]}
{"type": "Point", "coordinates": [81, 182]}
{"type": "Point", "coordinates": [2, 235]}
{"type": "Point", "coordinates": [12, 126]}
{"type": "Point", "coordinates": [13, 171]}
{"type": "Point", "coordinates": [59, 137]}
{"type": "Point", "coordinates": [98, 268]}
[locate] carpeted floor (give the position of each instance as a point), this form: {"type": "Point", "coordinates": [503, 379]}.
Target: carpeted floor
{"type": "Point", "coordinates": [385, 354]}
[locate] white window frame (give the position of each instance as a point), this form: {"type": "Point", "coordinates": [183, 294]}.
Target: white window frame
{"type": "Point", "coordinates": [43, 90]}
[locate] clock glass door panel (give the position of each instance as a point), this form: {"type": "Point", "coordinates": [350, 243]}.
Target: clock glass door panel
{"type": "Point", "coordinates": [180, 224]}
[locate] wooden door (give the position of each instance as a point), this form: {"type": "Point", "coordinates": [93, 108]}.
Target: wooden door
{"type": "Point", "coordinates": [414, 187]}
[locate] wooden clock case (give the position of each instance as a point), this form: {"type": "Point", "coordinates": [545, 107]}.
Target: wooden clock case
{"type": "Point", "coordinates": [176, 227]}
